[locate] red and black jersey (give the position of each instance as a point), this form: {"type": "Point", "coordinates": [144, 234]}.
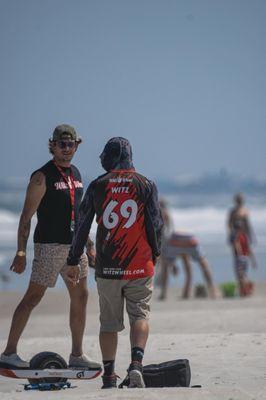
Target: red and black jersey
{"type": "Point", "coordinates": [129, 225]}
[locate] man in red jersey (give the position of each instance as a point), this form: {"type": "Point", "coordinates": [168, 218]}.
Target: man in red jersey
{"type": "Point", "coordinates": [127, 246]}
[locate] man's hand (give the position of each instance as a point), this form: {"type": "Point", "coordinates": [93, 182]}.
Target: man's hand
{"type": "Point", "coordinates": [91, 254]}
{"type": "Point", "coordinates": [35, 192]}
{"type": "Point", "coordinates": [155, 259]}
{"type": "Point", "coordinates": [18, 264]}
{"type": "Point", "coordinates": [73, 274]}
{"type": "Point", "coordinates": [253, 261]}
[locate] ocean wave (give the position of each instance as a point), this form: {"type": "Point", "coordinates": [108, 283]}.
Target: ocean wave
{"type": "Point", "coordinates": [209, 223]}
{"type": "Point", "coordinates": [2, 259]}
{"type": "Point", "coordinates": [8, 217]}
{"type": "Point", "coordinates": [9, 227]}
{"type": "Point", "coordinates": [206, 222]}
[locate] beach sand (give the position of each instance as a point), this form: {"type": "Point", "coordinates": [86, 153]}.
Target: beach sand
{"type": "Point", "coordinates": [224, 340]}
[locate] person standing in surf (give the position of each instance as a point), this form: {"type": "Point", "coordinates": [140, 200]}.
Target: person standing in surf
{"type": "Point", "coordinates": [241, 238]}
{"type": "Point", "coordinates": [177, 244]}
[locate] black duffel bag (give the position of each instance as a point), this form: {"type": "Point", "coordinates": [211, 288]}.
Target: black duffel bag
{"type": "Point", "coordinates": [174, 373]}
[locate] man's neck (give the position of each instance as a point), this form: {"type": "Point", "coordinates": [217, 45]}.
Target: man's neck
{"type": "Point", "coordinates": [62, 163]}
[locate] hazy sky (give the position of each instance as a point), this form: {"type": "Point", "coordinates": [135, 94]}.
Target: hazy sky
{"type": "Point", "coordinates": [183, 80]}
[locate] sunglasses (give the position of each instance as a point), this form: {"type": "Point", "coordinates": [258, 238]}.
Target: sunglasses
{"type": "Point", "coordinates": [63, 144]}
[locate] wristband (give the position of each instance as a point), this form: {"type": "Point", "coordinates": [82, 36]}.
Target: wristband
{"type": "Point", "coordinates": [21, 253]}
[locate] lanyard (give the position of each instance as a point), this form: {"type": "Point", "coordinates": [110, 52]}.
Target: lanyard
{"type": "Point", "coordinates": [71, 191]}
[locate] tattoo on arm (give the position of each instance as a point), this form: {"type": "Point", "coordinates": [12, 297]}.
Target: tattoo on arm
{"type": "Point", "coordinates": [23, 232]}
{"type": "Point", "coordinates": [38, 179]}
{"type": "Point", "coordinates": [35, 192]}
{"type": "Point", "coordinates": [90, 244]}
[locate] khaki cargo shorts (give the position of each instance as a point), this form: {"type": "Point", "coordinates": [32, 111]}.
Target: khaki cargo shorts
{"type": "Point", "coordinates": [50, 261]}
{"type": "Point", "coordinates": [113, 293]}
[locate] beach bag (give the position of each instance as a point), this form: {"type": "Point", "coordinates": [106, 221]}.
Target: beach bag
{"type": "Point", "coordinates": [174, 373]}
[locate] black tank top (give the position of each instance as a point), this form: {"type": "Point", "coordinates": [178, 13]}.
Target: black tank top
{"type": "Point", "coordinates": [54, 211]}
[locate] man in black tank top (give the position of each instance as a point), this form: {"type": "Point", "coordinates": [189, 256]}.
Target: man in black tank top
{"type": "Point", "coordinates": [54, 192]}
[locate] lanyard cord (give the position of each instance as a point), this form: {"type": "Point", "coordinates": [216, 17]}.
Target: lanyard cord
{"type": "Point", "coordinates": [71, 189]}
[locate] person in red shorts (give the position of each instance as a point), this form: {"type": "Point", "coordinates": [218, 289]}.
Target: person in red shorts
{"type": "Point", "coordinates": [177, 244]}
{"type": "Point", "coordinates": [243, 254]}
{"type": "Point", "coordinates": [241, 238]}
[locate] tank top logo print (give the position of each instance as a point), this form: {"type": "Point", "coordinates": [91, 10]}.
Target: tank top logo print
{"type": "Point", "coordinates": [63, 186]}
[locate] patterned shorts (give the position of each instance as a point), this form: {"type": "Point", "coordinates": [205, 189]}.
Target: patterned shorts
{"type": "Point", "coordinates": [241, 266]}
{"type": "Point", "coordinates": [50, 261]}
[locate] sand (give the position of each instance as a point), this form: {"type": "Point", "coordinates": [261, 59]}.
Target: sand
{"type": "Point", "coordinates": [224, 339]}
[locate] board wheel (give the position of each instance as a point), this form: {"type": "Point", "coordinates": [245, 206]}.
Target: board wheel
{"type": "Point", "coordinates": [46, 360]}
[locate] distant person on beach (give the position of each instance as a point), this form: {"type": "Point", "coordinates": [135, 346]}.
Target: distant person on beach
{"type": "Point", "coordinates": [185, 246]}
{"type": "Point", "coordinates": [54, 192]}
{"type": "Point", "coordinates": [127, 246]}
{"type": "Point", "coordinates": [241, 238]}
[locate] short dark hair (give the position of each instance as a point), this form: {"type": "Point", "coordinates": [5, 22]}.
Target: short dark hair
{"type": "Point", "coordinates": [239, 198]}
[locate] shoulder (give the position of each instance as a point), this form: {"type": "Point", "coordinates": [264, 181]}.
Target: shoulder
{"type": "Point", "coordinates": [103, 176]}
{"type": "Point", "coordinates": [232, 212]}
{"type": "Point", "coordinates": [148, 186]}
{"type": "Point", "coordinates": [97, 182]}
{"type": "Point", "coordinates": [92, 186]}
{"type": "Point", "coordinates": [244, 212]}
{"type": "Point", "coordinates": [45, 169]}
{"type": "Point", "coordinates": [100, 179]}
{"type": "Point", "coordinates": [37, 184]}
{"type": "Point", "coordinates": [37, 178]}
{"type": "Point", "coordinates": [76, 173]}
{"type": "Point", "coordinates": [75, 169]}
{"type": "Point", "coordinates": [146, 181]}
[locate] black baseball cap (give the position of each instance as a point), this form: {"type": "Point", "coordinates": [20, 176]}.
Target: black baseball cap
{"type": "Point", "coordinates": [65, 131]}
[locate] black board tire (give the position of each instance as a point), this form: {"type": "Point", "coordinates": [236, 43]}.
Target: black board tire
{"type": "Point", "coordinates": [46, 360]}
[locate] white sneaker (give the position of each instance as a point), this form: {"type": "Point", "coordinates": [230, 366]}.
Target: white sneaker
{"type": "Point", "coordinates": [136, 379]}
{"type": "Point", "coordinates": [83, 361]}
{"type": "Point", "coordinates": [14, 360]}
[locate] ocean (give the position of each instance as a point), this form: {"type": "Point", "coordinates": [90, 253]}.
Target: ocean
{"type": "Point", "coordinates": [202, 213]}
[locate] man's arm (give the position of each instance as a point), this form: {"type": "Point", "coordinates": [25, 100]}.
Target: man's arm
{"type": "Point", "coordinates": [253, 259]}
{"type": "Point", "coordinates": [229, 226]}
{"type": "Point", "coordinates": [35, 192]}
{"type": "Point", "coordinates": [91, 253]}
{"type": "Point", "coordinates": [153, 222]}
{"type": "Point", "coordinates": [250, 232]}
{"type": "Point", "coordinates": [86, 215]}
